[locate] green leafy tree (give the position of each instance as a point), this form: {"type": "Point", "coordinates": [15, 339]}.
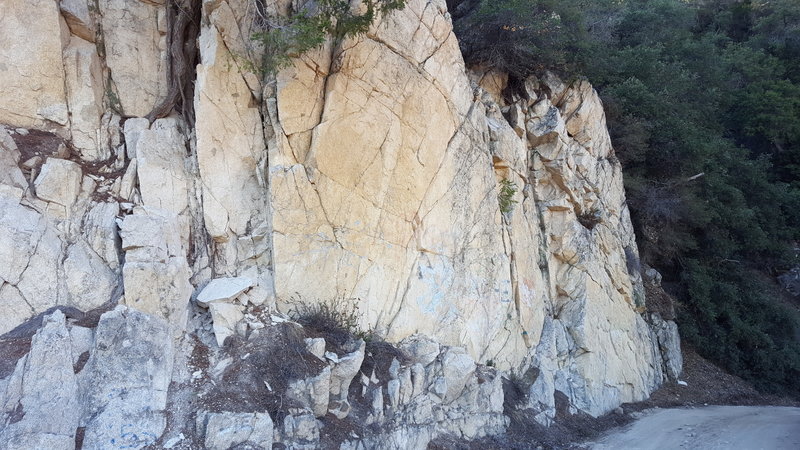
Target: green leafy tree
{"type": "Point", "coordinates": [292, 36]}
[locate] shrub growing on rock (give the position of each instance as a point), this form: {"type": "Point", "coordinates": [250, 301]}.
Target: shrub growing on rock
{"type": "Point", "coordinates": [308, 28]}
{"type": "Point", "coordinates": [519, 37]}
{"type": "Point", "coordinates": [335, 320]}
{"type": "Point", "coordinates": [506, 196]}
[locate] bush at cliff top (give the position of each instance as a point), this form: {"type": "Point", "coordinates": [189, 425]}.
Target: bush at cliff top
{"type": "Point", "coordinates": [292, 36]}
{"type": "Point", "coordinates": [519, 37]}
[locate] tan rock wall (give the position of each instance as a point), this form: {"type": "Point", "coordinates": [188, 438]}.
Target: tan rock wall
{"type": "Point", "coordinates": [134, 37]}
{"type": "Point", "coordinates": [32, 92]}
{"type": "Point", "coordinates": [395, 205]}
{"type": "Point", "coordinates": [369, 170]}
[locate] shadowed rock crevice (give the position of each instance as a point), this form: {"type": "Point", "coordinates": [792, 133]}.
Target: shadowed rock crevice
{"type": "Point", "coordinates": [183, 24]}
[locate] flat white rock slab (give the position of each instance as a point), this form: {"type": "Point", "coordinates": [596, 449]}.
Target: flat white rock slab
{"type": "Point", "coordinates": [223, 289]}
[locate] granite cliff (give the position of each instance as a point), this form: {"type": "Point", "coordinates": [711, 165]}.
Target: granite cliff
{"type": "Point", "coordinates": [164, 210]}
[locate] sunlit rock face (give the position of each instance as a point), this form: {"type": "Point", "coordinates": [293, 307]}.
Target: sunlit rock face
{"type": "Point", "coordinates": [384, 187]}
{"type": "Point", "coordinates": [430, 197]}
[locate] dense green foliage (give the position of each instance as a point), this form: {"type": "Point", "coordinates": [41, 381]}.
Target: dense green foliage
{"type": "Point", "coordinates": [516, 36]}
{"type": "Point", "coordinates": [690, 87]}
{"type": "Point", "coordinates": [506, 196]}
{"type": "Point", "coordinates": [288, 37]}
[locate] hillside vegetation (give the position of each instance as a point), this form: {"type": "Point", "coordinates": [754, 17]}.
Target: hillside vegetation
{"type": "Point", "coordinates": [703, 105]}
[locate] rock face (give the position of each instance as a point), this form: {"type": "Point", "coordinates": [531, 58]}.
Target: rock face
{"type": "Point", "coordinates": [156, 273]}
{"type": "Point", "coordinates": [397, 206]}
{"type": "Point", "coordinates": [128, 374]}
{"type": "Point", "coordinates": [37, 415]}
{"type": "Point", "coordinates": [135, 44]}
{"type": "Point", "coordinates": [471, 224]}
{"type": "Point", "coordinates": [223, 431]}
{"type": "Point", "coordinates": [33, 93]}
{"type": "Point", "coordinates": [118, 397]}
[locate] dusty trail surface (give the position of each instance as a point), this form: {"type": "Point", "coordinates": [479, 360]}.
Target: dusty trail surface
{"type": "Point", "coordinates": [712, 427]}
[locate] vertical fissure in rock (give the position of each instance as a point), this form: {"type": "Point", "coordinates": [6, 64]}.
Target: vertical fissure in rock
{"type": "Point", "coordinates": [199, 247]}
{"type": "Point", "coordinates": [512, 263]}
{"type": "Point", "coordinates": [544, 263]}
{"type": "Point", "coordinates": [183, 19]}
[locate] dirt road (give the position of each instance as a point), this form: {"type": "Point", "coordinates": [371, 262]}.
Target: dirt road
{"type": "Point", "coordinates": [710, 427]}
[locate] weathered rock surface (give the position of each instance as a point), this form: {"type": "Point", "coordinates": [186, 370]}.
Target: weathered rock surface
{"type": "Point", "coordinates": [371, 170]}
{"type": "Point", "coordinates": [232, 203]}
{"type": "Point", "coordinates": [32, 93]}
{"type": "Point", "coordinates": [425, 401]}
{"type": "Point", "coordinates": [124, 388]}
{"type": "Point", "coordinates": [119, 396]}
{"type": "Point", "coordinates": [395, 204]}
{"type": "Point", "coordinates": [156, 272]}
{"type": "Point", "coordinates": [90, 282]}
{"type": "Point", "coordinates": [84, 81]}
{"type": "Point", "coordinates": [135, 45]}
{"type": "Point", "coordinates": [40, 402]}
{"type": "Point", "coordinates": [160, 168]}
{"type": "Point", "coordinates": [398, 206]}
{"type": "Point", "coordinates": [226, 430]}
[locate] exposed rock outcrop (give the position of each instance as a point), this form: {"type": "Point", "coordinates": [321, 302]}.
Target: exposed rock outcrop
{"type": "Point", "coordinates": [481, 229]}
{"type": "Point", "coordinates": [118, 398]}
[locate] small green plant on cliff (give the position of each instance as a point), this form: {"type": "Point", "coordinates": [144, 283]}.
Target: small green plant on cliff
{"type": "Point", "coordinates": [506, 196]}
{"type": "Point", "coordinates": [291, 36]}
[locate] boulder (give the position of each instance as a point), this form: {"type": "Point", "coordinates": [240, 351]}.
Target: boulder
{"type": "Point", "coordinates": [300, 430]}
{"type": "Point", "coordinates": [316, 346]}
{"type": "Point", "coordinates": [133, 131]}
{"type": "Point", "coordinates": [90, 282]}
{"type": "Point", "coordinates": [669, 343]}
{"type": "Point", "coordinates": [100, 231]}
{"type": "Point", "coordinates": [457, 368]}
{"type": "Point", "coordinates": [59, 181]}
{"type": "Point", "coordinates": [78, 18]}
{"type": "Point", "coordinates": [312, 392]}
{"type": "Point", "coordinates": [225, 316]}
{"type": "Point", "coordinates": [421, 349]}
{"type": "Point", "coordinates": [342, 374]}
